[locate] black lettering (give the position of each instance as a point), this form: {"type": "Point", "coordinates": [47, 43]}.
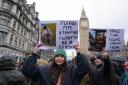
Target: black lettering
{"type": "Point", "coordinates": [69, 47]}
{"type": "Point", "coordinates": [67, 28]}
{"type": "Point", "coordinates": [69, 37]}
{"type": "Point", "coordinates": [66, 47]}
{"type": "Point", "coordinates": [70, 42]}
{"type": "Point", "coordinates": [114, 50]}
{"type": "Point", "coordinates": [114, 47]}
{"type": "Point", "coordinates": [115, 43]}
{"type": "Point", "coordinates": [114, 39]}
{"type": "Point", "coordinates": [115, 35]}
{"type": "Point", "coordinates": [60, 32]}
{"type": "Point", "coordinates": [64, 42]}
{"type": "Point", "coordinates": [72, 22]}
{"type": "Point", "coordinates": [114, 30]}
{"type": "Point", "coordinates": [69, 32]}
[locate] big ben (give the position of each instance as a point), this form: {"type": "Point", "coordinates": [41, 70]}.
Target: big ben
{"type": "Point", "coordinates": [83, 32]}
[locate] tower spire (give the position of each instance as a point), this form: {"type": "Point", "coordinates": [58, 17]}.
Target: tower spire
{"type": "Point", "coordinates": [83, 14]}
{"type": "Point", "coordinates": [83, 32]}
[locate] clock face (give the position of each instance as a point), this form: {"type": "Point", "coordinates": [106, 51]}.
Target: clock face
{"type": "Point", "coordinates": [84, 23]}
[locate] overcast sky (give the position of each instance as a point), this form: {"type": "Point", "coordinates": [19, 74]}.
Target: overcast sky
{"type": "Point", "coordinates": [101, 13]}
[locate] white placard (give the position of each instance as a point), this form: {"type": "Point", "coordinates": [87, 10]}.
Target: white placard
{"type": "Point", "coordinates": [66, 34]}
{"type": "Point", "coordinates": [114, 40]}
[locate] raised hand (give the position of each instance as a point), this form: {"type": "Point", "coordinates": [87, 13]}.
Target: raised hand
{"type": "Point", "coordinates": [106, 55]}
{"type": "Point", "coordinates": [36, 47]}
{"type": "Point", "coordinates": [77, 47]}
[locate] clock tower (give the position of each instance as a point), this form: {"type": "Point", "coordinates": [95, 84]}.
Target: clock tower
{"type": "Point", "coordinates": [83, 32]}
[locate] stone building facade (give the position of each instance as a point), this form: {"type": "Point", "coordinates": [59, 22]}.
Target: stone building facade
{"type": "Point", "coordinates": [19, 27]}
{"type": "Point", "coordinates": [83, 32]}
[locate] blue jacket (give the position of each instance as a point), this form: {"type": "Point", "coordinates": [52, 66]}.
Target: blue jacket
{"type": "Point", "coordinates": [73, 75]}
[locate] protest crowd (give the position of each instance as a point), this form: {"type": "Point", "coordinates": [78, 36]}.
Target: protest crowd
{"type": "Point", "coordinates": [99, 69]}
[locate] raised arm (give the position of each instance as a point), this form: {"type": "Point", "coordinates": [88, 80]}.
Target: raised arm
{"type": "Point", "coordinates": [30, 68]}
{"type": "Point", "coordinates": [107, 64]}
{"type": "Point", "coordinates": [82, 63]}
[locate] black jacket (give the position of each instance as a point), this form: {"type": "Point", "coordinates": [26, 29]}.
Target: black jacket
{"type": "Point", "coordinates": [8, 74]}
{"type": "Point", "coordinates": [100, 75]}
{"type": "Point", "coordinates": [73, 75]}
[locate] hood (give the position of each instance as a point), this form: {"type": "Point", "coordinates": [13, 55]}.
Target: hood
{"type": "Point", "coordinates": [7, 63]}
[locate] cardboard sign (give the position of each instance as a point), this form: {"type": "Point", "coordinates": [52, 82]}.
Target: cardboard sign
{"type": "Point", "coordinates": [111, 40]}
{"type": "Point", "coordinates": [67, 34]}
{"type": "Point", "coordinates": [114, 40]}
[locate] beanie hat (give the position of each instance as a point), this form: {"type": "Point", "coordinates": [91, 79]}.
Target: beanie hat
{"type": "Point", "coordinates": [99, 56]}
{"type": "Point", "coordinates": [60, 52]}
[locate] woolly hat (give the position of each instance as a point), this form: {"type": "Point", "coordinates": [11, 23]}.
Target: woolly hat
{"type": "Point", "coordinates": [60, 52]}
{"type": "Point", "coordinates": [99, 56]}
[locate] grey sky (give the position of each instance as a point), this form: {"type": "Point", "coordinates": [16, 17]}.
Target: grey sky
{"type": "Point", "coordinates": [101, 13]}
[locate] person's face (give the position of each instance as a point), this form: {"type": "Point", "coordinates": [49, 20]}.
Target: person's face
{"type": "Point", "coordinates": [98, 61]}
{"type": "Point", "coordinates": [100, 36]}
{"type": "Point", "coordinates": [45, 27]}
{"type": "Point", "coordinates": [59, 59]}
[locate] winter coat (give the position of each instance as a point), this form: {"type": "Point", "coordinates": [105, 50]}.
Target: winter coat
{"type": "Point", "coordinates": [100, 75]}
{"type": "Point", "coordinates": [73, 75]}
{"type": "Point", "coordinates": [8, 74]}
{"type": "Point", "coordinates": [123, 77]}
{"type": "Point", "coordinates": [86, 80]}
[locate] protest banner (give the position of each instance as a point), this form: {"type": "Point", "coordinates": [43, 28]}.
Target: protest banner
{"type": "Point", "coordinates": [114, 40]}
{"type": "Point", "coordinates": [67, 34]}
{"type": "Point", "coordinates": [111, 40]}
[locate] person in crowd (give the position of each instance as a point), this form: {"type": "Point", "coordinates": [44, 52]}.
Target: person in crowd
{"type": "Point", "coordinates": [86, 80]}
{"type": "Point", "coordinates": [100, 42]}
{"type": "Point", "coordinates": [19, 65]}
{"type": "Point", "coordinates": [116, 70]}
{"type": "Point", "coordinates": [8, 74]}
{"type": "Point", "coordinates": [58, 72]}
{"type": "Point", "coordinates": [39, 62]}
{"type": "Point", "coordinates": [122, 73]}
{"type": "Point", "coordinates": [100, 71]}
